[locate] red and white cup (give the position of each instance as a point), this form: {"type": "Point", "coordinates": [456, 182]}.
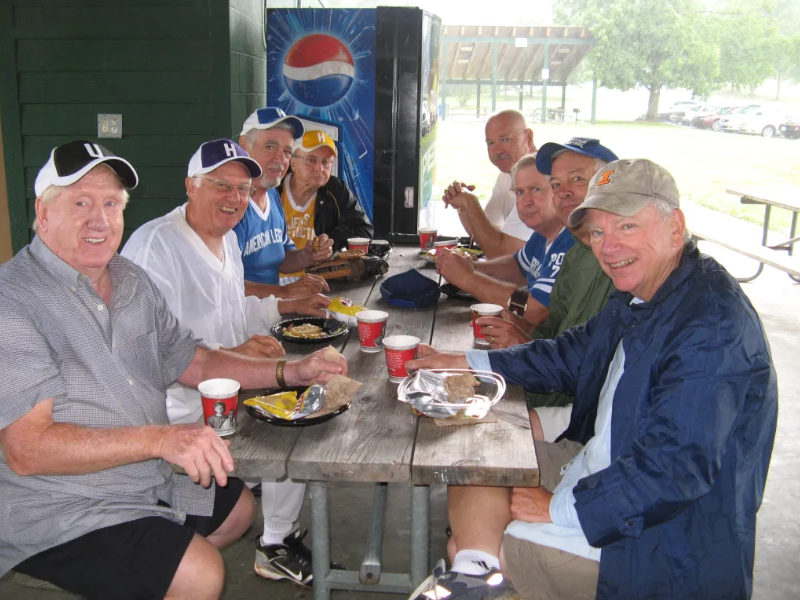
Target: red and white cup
{"type": "Point", "coordinates": [371, 329]}
{"type": "Point", "coordinates": [220, 399]}
{"type": "Point", "coordinates": [483, 310]}
{"type": "Point", "coordinates": [358, 244]}
{"type": "Point", "coordinates": [445, 244]}
{"type": "Point", "coordinates": [427, 237]}
{"type": "Point", "coordinates": [399, 350]}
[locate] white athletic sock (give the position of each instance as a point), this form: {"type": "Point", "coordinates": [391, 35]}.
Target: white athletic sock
{"type": "Point", "coordinates": [474, 562]}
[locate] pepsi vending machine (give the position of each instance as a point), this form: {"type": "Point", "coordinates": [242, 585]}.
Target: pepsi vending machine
{"type": "Point", "coordinates": [373, 75]}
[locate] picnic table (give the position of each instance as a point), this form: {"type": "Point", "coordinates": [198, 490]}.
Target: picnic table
{"type": "Point", "coordinates": [380, 440]}
{"type": "Point", "coordinates": [786, 198]}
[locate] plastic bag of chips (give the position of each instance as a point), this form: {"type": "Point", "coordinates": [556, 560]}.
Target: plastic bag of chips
{"type": "Point", "coordinates": [345, 310]}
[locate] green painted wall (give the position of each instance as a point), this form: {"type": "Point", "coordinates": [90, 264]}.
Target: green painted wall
{"type": "Point", "coordinates": [179, 71]}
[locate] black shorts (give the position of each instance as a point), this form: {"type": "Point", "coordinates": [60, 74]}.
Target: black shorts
{"type": "Point", "coordinates": [130, 561]}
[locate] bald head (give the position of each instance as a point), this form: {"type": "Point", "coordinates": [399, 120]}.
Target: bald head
{"type": "Point", "coordinates": [508, 139]}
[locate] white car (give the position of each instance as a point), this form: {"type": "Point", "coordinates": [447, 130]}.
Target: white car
{"type": "Point", "coordinates": [701, 110]}
{"type": "Point", "coordinates": [753, 119]}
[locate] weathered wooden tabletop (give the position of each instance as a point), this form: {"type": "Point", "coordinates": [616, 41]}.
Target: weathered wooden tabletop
{"type": "Point", "coordinates": [380, 438]}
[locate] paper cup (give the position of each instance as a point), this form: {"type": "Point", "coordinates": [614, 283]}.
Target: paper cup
{"type": "Point", "coordinates": [483, 310]}
{"type": "Point", "coordinates": [358, 244]}
{"type": "Point", "coordinates": [220, 399]}
{"type": "Point", "coordinates": [427, 237]}
{"type": "Point", "coordinates": [380, 248]}
{"type": "Point", "coordinates": [371, 329]}
{"type": "Point", "coordinates": [449, 244]}
{"type": "Point", "coordinates": [399, 350]}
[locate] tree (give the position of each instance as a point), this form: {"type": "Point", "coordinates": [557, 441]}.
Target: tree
{"type": "Point", "coordinates": [648, 43]}
{"type": "Point", "coordinates": [786, 60]}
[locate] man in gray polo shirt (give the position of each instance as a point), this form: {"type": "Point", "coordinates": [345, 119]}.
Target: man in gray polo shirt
{"type": "Point", "coordinates": [88, 499]}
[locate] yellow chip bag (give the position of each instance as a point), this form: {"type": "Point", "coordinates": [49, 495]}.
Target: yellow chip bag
{"type": "Point", "coordinates": [345, 310]}
{"type": "Point", "coordinates": [283, 405]}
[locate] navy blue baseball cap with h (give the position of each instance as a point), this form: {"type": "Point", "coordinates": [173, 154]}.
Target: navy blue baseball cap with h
{"type": "Point", "coordinates": [214, 154]}
{"type": "Point", "coordinates": [580, 145]}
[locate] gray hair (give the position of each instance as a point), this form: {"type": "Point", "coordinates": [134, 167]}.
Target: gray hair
{"type": "Point", "coordinates": [51, 192]}
{"type": "Point", "coordinates": [599, 163]}
{"type": "Point", "coordinates": [664, 209]}
{"type": "Point", "coordinates": [252, 134]}
{"type": "Point", "coordinates": [527, 161]}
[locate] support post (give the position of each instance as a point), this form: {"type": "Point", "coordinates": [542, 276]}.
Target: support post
{"type": "Point", "coordinates": [564, 96]}
{"type": "Point", "coordinates": [494, 76]}
{"type": "Point", "coordinates": [420, 522]}
{"type": "Point", "coordinates": [594, 99]}
{"type": "Point", "coordinates": [443, 81]}
{"type": "Point", "coordinates": [321, 543]}
{"type": "Point", "coordinates": [478, 107]}
{"type": "Point", "coordinates": [545, 65]}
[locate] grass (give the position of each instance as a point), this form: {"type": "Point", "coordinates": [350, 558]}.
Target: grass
{"type": "Point", "coordinates": [703, 162]}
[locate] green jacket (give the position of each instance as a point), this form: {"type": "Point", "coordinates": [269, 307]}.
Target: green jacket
{"type": "Point", "coordinates": [579, 293]}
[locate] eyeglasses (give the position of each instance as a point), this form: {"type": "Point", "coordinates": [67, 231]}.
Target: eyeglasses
{"type": "Point", "coordinates": [313, 161]}
{"type": "Point", "coordinates": [224, 187]}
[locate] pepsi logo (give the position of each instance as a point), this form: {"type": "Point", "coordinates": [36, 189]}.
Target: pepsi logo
{"type": "Point", "coordinates": [318, 70]}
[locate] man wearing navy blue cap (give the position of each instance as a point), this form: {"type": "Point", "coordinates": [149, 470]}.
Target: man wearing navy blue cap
{"type": "Point", "coordinates": [268, 136]}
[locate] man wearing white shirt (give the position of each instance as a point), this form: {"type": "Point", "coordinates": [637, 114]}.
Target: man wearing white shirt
{"type": "Point", "coordinates": [193, 256]}
{"type": "Point", "coordinates": [497, 228]}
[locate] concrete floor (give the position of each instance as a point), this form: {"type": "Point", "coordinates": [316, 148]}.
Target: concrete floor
{"type": "Point", "coordinates": [777, 576]}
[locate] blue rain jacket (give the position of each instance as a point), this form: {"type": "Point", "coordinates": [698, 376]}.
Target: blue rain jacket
{"type": "Point", "coordinates": [692, 429]}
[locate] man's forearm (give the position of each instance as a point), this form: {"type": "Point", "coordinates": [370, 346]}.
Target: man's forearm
{"type": "Point", "coordinates": [488, 289]}
{"type": "Point", "coordinates": [251, 373]}
{"type": "Point", "coordinates": [264, 290]}
{"type": "Point", "coordinates": [296, 260]}
{"type": "Point", "coordinates": [66, 449]}
{"type": "Point", "coordinates": [493, 242]}
{"type": "Point", "coordinates": [504, 268]}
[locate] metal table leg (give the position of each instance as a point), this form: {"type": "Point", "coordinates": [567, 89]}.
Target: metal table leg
{"type": "Point", "coordinates": [321, 543]}
{"type": "Point", "coordinates": [371, 566]}
{"type": "Point", "coordinates": [420, 525]}
{"type": "Point", "coordinates": [767, 214]}
{"type": "Point", "coordinates": [793, 235]}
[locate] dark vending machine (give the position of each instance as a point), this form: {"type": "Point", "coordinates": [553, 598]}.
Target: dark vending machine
{"type": "Point", "coordinates": [372, 76]}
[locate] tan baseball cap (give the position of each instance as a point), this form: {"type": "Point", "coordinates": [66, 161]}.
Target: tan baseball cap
{"type": "Point", "coordinates": [625, 187]}
{"type": "Point", "coordinates": [314, 139]}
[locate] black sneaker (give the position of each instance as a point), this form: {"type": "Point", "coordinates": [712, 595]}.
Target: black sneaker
{"type": "Point", "coordinates": [450, 584]}
{"type": "Point", "coordinates": [290, 560]}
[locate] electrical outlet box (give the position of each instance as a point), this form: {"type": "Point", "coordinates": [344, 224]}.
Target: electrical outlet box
{"type": "Point", "coordinates": [109, 126]}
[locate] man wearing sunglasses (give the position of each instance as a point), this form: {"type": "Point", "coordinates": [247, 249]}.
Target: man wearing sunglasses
{"type": "Point", "coordinates": [316, 202]}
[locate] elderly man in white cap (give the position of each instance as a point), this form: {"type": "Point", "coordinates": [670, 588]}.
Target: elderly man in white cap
{"type": "Point", "coordinates": [268, 136]}
{"type": "Point", "coordinates": [653, 489]}
{"type": "Point", "coordinates": [88, 348]}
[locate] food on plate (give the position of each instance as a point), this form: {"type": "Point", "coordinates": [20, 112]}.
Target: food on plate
{"type": "Point", "coordinates": [338, 391]}
{"type": "Point", "coordinates": [331, 354]}
{"type": "Point", "coordinates": [345, 254]}
{"type": "Point", "coordinates": [304, 331]}
{"type": "Point", "coordinates": [461, 386]}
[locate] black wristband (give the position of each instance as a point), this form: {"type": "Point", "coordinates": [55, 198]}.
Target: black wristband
{"type": "Point", "coordinates": [518, 301]}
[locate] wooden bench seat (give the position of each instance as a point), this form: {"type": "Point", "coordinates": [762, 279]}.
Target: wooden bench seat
{"type": "Point", "coordinates": [774, 258]}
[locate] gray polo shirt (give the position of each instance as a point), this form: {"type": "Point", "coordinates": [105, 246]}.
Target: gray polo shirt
{"type": "Point", "coordinates": [105, 366]}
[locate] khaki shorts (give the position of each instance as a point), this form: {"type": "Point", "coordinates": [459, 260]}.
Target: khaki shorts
{"type": "Point", "coordinates": [543, 573]}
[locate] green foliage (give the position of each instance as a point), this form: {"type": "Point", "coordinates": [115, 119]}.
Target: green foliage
{"type": "Point", "coordinates": [680, 44]}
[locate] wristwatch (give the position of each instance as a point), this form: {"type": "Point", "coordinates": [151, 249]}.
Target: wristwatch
{"type": "Point", "coordinates": [518, 301]}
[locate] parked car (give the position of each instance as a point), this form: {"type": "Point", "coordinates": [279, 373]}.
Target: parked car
{"type": "Point", "coordinates": [790, 128]}
{"type": "Point", "coordinates": [700, 110]}
{"type": "Point", "coordinates": [753, 119]}
{"type": "Point", "coordinates": [712, 121]}
{"type": "Point", "coordinates": [675, 111]}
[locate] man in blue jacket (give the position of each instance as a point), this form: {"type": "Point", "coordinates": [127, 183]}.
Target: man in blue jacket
{"type": "Point", "coordinates": [653, 489]}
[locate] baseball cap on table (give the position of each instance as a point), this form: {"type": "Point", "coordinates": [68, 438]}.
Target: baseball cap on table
{"type": "Point", "coordinates": [214, 154]}
{"type": "Point", "coordinates": [314, 139]}
{"type": "Point", "coordinates": [71, 161]}
{"type": "Point", "coordinates": [581, 145]}
{"type": "Point", "coordinates": [264, 118]}
{"type": "Point", "coordinates": [624, 187]}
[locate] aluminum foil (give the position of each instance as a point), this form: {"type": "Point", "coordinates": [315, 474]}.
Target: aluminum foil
{"type": "Point", "coordinates": [282, 406]}
{"type": "Point", "coordinates": [426, 393]}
